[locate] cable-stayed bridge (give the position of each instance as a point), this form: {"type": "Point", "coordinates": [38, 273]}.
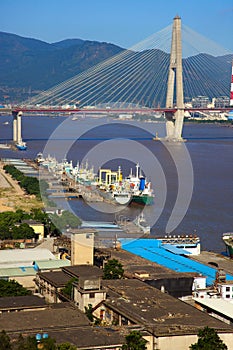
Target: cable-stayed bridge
{"type": "Point", "coordinates": [160, 74]}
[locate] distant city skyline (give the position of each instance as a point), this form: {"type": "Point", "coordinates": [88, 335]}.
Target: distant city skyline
{"type": "Point", "coordinates": [123, 22]}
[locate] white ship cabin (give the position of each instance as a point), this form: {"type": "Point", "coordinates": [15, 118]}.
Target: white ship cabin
{"type": "Point", "coordinates": [189, 244]}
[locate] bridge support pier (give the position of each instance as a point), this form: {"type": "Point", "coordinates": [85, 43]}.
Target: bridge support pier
{"type": "Point", "coordinates": [179, 121]}
{"type": "Point", "coordinates": [14, 128]}
{"type": "Point", "coordinates": [174, 128]}
{"type": "Point", "coordinates": [17, 126]}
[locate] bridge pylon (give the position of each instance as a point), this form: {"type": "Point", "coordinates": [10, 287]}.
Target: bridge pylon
{"type": "Point", "coordinates": [17, 126]}
{"type": "Point", "coordinates": [175, 76]}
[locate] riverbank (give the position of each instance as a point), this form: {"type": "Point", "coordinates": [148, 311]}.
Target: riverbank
{"type": "Point", "coordinates": [13, 197]}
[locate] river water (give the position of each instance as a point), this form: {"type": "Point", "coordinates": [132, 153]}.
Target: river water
{"type": "Point", "coordinates": [192, 181]}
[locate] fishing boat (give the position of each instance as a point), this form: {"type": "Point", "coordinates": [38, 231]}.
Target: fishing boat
{"type": "Point", "coordinates": [228, 240]}
{"type": "Point", "coordinates": [21, 146]}
{"type": "Point", "coordinates": [140, 221]}
{"type": "Point", "coordinates": [39, 158]}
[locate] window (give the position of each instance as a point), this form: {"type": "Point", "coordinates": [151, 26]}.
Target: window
{"type": "Point", "coordinates": [228, 296]}
{"type": "Point", "coordinates": [227, 289]}
{"type": "Point", "coordinates": [92, 295]}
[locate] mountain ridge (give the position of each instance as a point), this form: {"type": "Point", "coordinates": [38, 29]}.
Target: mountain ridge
{"type": "Point", "coordinates": [31, 65]}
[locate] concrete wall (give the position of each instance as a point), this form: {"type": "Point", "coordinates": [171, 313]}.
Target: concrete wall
{"type": "Point", "coordinates": [82, 249]}
{"type": "Point", "coordinates": [84, 299]}
{"type": "Point", "coordinates": [39, 230]}
{"type": "Point", "coordinates": [183, 342]}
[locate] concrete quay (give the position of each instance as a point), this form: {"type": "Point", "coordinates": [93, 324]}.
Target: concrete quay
{"type": "Point", "coordinates": [215, 260]}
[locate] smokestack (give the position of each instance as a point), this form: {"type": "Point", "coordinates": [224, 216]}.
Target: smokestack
{"type": "Point", "coordinates": [231, 94]}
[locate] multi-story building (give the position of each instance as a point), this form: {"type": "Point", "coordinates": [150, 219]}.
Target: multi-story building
{"type": "Point", "coordinates": [221, 102]}
{"type": "Point", "coordinates": [200, 102]}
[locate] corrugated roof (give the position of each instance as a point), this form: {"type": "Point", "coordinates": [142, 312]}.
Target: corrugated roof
{"type": "Point", "coordinates": [17, 271]}
{"type": "Point", "coordinates": [220, 305]}
{"type": "Point", "coordinates": [56, 278]}
{"type": "Point", "coordinates": [25, 301]}
{"type": "Point", "coordinates": [83, 270]}
{"type": "Point", "coordinates": [146, 305]}
{"type": "Point", "coordinates": [52, 264]}
{"type": "Point", "coordinates": [152, 250]}
{"type": "Point", "coordinates": [21, 257]}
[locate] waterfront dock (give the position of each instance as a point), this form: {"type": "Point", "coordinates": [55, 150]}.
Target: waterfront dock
{"type": "Point", "coordinates": [215, 260]}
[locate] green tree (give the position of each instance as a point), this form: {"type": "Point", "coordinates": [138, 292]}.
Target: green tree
{"type": "Point", "coordinates": [20, 343]}
{"type": "Point", "coordinates": [66, 219]}
{"type": "Point", "coordinates": [88, 312]}
{"type": "Point", "coordinates": [113, 270]}
{"type": "Point", "coordinates": [208, 339]}
{"type": "Point", "coordinates": [68, 289]}
{"type": "Point", "coordinates": [12, 288]}
{"type": "Point", "coordinates": [23, 231]}
{"type": "Point", "coordinates": [26, 343]}
{"type": "Point", "coordinates": [49, 344]}
{"type": "Point", "coordinates": [30, 184]}
{"type": "Point", "coordinates": [134, 341]}
{"type": "Point", "coordinates": [5, 343]}
{"type": "Point", "coordinates": [5, 232]}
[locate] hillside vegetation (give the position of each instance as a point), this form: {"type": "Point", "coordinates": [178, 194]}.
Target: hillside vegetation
{"type": "Point", "coordinates": [28, 66]}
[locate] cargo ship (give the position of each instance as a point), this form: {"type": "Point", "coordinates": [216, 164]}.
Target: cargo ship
{"type": "Point", "coordinates": [110, 185]}
{"type": "Point", "coordinates": [144, 194]}
{"type": "Point", "coordinates": [132, 189]}
{"type": "Point", "coordinates": [140, 188]}
{"type": "Point", "coordinates": [228, 240]}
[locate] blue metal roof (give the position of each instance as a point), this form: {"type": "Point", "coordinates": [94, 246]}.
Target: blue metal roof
{"type": "Point", "coordinates": [153, 250]}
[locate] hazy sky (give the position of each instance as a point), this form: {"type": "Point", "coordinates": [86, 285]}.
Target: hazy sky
{"type": "Point", "coordinates": [121, 22]}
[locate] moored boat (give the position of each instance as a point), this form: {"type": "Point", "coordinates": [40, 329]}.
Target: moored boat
{"type": "Point", "coordinates": [143, 199]}
{"type": "Point", "coordinates": [228, 240]}
{"type": "Point", "coordinates": [140, 221]}
{"type": "Point", "coordinates": [140, 188]}
{"type": "Point", "coordinates": [122, 197]}
{"type": "Point", "coordinates": [21, 146]}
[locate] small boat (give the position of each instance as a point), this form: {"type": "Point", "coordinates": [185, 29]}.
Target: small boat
{"type": "Point", "coordinates": [228, 240]}
{"type": "Point", "coordinates": [21, 146]}
{"type": "Point", "coordinates": [140, 221]}
{"type": "Point", "coordinates": [5, 123]}
{"type": "Point", "coordinates": [39, 158]}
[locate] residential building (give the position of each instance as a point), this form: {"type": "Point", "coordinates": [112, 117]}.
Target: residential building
{"type": "Point", "coordinates": [172, 324]}
{"type": "Point", "coordinates": [82, 247]}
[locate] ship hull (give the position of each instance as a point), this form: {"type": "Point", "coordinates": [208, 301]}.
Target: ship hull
{"type": "Point", "coordinates": [229, 249]}
{"type": "Point", "coordinates": [228, 240]}
{"type": "Point", "coordinates": [122, 199]}
{"type": "Point", "coordinates": [142, 199]}
{"type": "Point", "coordinates": [21, 148]}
